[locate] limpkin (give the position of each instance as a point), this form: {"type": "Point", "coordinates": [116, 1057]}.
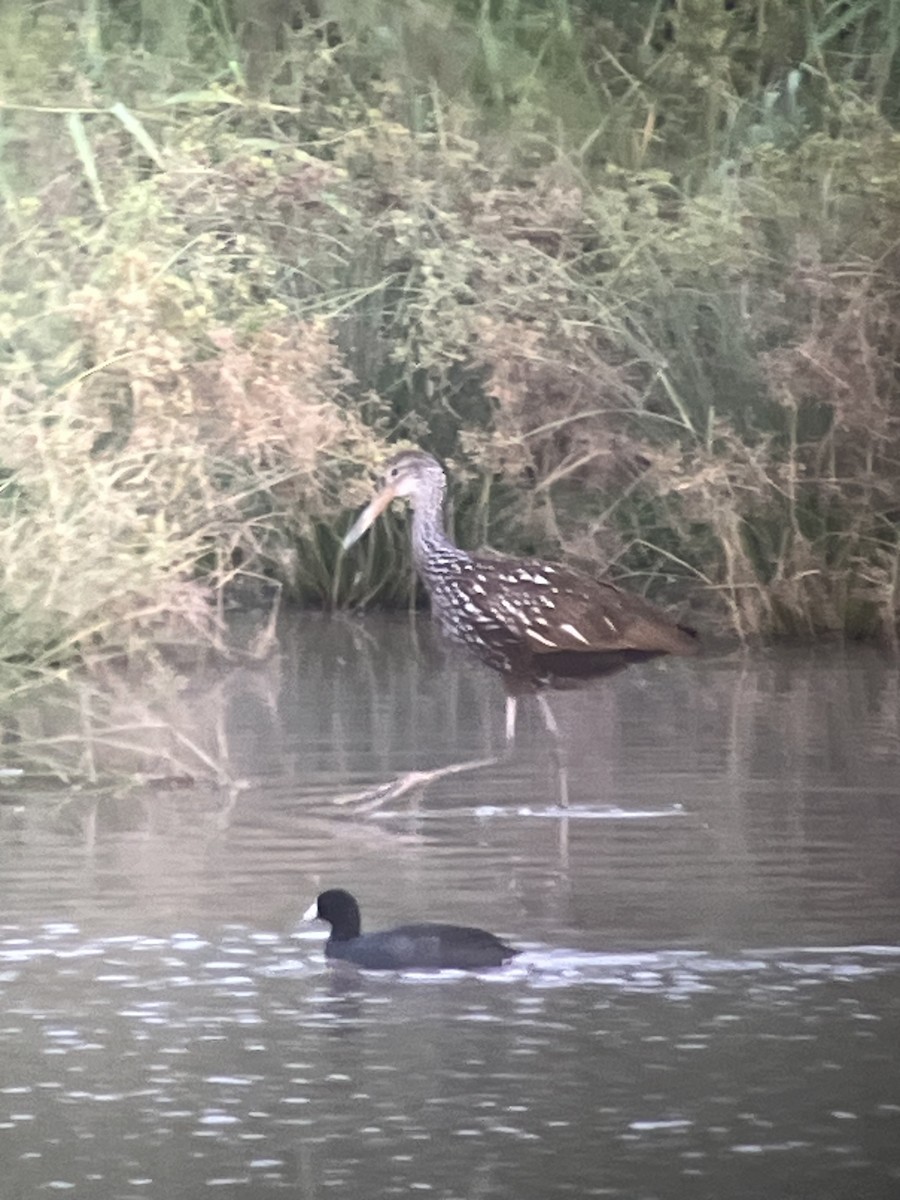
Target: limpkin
{"type": "Point", "coordinates": [539, 624]}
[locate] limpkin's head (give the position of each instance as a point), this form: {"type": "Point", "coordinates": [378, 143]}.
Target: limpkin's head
{"type": "Point", "coordinates": [412, 474]}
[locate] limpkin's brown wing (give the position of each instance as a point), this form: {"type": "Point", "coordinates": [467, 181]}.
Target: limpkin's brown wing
{"type": "Point", "coordinates": [553, 609]}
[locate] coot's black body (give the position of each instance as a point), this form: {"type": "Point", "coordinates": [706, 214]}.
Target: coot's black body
{"type": "Point", "coordinates": [426, 945]}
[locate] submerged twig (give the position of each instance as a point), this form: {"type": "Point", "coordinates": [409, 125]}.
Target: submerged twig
{"type": "Point", "coordinates": [372, 799]}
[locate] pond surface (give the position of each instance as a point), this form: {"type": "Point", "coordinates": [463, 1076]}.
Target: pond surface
{"type": "Point", "coordinates": [708, 1000]}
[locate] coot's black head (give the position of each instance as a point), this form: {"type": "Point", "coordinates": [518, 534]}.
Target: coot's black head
{"type": "Point", "coordinates": [340, 910]}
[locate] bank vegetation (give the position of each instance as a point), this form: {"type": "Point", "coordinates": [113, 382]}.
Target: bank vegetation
{"type": "Point", "coordinates": [630, 269]}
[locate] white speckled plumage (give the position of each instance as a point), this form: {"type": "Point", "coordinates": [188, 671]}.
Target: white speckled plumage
{"type": "Point", "coordinates": [537, 624]}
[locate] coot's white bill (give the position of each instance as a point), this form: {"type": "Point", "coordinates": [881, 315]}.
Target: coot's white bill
{"type": "Point", "coordinates": [312, 912]}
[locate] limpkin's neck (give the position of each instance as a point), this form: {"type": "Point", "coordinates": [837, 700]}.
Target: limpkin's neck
{"type": "Point", "coordinates": [430, 545]}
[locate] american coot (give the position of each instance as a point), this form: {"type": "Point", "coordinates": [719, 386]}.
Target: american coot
{"type": "Point", "coordinates": [422, 945]}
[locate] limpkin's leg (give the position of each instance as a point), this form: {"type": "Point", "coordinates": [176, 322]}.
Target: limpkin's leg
{"type": "Point", "coordinates": [510, 718]}
{"type": "Point", "coordinates": [562, 782]}
{"type": "Point", "coordinates": [562, 775]}
{"type": "Point", "coordinates": [547, 713]}
{"type": "Point", "coordinates": [562, 778]}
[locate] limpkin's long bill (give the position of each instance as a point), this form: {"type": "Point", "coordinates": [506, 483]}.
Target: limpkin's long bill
{"type": "Point", "coordinates": [369, 515]}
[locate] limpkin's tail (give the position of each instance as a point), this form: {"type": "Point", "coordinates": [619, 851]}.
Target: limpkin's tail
{"type": "Point", "coordinates": [691, 640]}
{"type": "Point", "coordinates": [649, 635]}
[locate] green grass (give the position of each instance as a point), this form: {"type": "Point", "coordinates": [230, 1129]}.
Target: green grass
{"type": "Point", "coordinates": [629, 268]}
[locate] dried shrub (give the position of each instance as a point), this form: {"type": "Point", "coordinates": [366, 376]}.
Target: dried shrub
{"type": "Point", "coordinates": [635, 292]}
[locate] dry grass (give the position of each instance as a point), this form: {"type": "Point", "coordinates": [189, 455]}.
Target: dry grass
{"type": "Point", "coordinates": [650, 322]}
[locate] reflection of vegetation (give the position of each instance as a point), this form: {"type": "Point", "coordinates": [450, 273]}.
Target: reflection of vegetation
{"type": "Point", "coordinates": [115, 734]}
{"type": "Point", "coordinates": [631, 268]}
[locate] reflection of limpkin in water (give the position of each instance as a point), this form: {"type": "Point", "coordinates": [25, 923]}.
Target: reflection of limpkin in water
{"type": "Point", "coordinates": [538, 624]}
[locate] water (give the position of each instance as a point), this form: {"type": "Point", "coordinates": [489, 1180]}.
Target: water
{"type": "Point", "coordinates": [708, 999]}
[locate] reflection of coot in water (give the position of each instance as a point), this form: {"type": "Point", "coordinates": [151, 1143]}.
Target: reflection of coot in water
{"type": "Point", "coordinates": [423, 945]}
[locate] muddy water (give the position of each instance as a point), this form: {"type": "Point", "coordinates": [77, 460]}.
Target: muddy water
{"type": "Point", "coordinates": [708, 999]}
